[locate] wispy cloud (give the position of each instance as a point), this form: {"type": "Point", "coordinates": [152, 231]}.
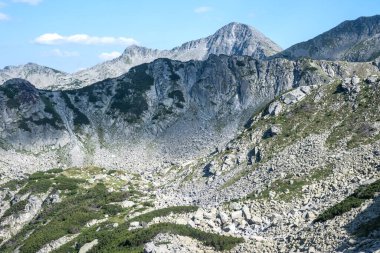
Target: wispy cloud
{"type": "Point", "coordinates": [61, 53]}
{"type": "Point", "coordinates": [109, 56]}
{"type": "Point", "coordinates": [4, 17]}
{"type": "Point", "coordinates": [30, 2]}
{"type": "Point", "coordinates": [55, 39]}
{"type": "Point", "coordinates": [202, 9]}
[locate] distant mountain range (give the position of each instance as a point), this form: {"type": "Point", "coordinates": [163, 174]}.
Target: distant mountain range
{"type": "Point", "coordinates": [232, 39]}
{"type": "Point", "coordinates": [355, 40]}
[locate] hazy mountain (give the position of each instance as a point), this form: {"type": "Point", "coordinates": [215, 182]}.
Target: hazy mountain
{"type": "Point", "coordinates": [354, 40]}
{"type": "Point", "coordinates": [43, 76]}
{"type": "Point", "coordinates": [232, 39]}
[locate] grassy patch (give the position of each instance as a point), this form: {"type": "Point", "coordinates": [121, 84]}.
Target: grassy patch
{"type": "Point", "coordinates": [355, 200]}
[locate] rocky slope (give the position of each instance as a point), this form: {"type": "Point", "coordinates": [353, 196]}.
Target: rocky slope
{"type": "Point", "coordinates": [354, 40]}
{"type": "Point", "coordinates": [299, 178]}
{"type": "Point", "coordinates": [232, 39]}
{"type": "Point", "coordinates": [156, 114]}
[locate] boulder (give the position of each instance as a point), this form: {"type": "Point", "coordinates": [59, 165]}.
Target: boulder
{"type": "Point", "coordinates": [235, 206]}
{"type": "Point", "coordinates": [293, 96]}
{"type": "Point", "coordinates": [273, 131]}
{"type": "Point", "coordinates": [246, 212]}
{"type": "Point", "coordinates": [275, 108]}
{"type": "Point", "coordinates": [231, 228]}
{"type": "Point", "coordinates": [255, 220]}
{"type": "Point", "coordinates": [88, 246]}
{"type": "Point", "coordinates": [237, 215]}
{"type": "Point", "coordinates": [149, 247]}
{"type": "Point", "coordinates": [134, 224]}
{"type": "Point", "coordinates": [223, 217]}
{"type": "Point", "coordinates": [372, 79]}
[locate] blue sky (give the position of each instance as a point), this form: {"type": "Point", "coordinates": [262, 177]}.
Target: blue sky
{"type": "Point", "coordinates": [73, 34]}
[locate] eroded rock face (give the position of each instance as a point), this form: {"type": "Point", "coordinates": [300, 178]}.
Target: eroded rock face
{"type": "Point", "coordinates": [167, 107]}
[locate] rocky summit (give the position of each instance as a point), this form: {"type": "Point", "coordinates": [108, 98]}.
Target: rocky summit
{"type": "Point", "coordinates": [221, 148]}
{"type": "Point", "coordinates": [232, 39]}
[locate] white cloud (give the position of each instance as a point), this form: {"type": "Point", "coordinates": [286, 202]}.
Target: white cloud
{"type": "Point", "coordinates": [55, 39]}
{"type": "Point", "coordinates": [30, 2]}
{"type": "Point", "coordinates": [202, 9]}
{"type": "Point", "coordinates": [60, 53]}
{"type": "Point", "coordinates": [109, 56]}
{"type": "Point", "coordinates": [4, 17]}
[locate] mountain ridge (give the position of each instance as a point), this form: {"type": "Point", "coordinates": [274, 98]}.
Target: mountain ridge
{"type": "Point", "coordinates": [352, 40]}
{"type": "Point", "coordinates": [232, 39]}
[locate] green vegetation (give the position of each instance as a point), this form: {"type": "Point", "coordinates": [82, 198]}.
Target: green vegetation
{"type": "Point", "coordinates": [355, 200]}
{"type": "Point", "coordinates": [130, 96]}
{"type": "Point", "coordinates": [121, 239]}
{"type": "Point", "coordinates": [68, 216]}
{"type": "Point", "coordinates": [321, 112]}
{"type": "Point", "coordinates": [79, 117]}
{"type": "Point", "coordinates": [137, 238]}
{"type": "Point", "coordinates": [291, 187]}
{"type": "Point", "coordinates": [177, 95]}
{"type": "Point", "coordinates": [55, 121]}
{"type": "Point", "coordinates": [15, 208]}
{"type": "Point", "coordinates": [147, 217]}
{"type": "Point", "coordinates": [23, 124]}
{"type": "Point", "coordinates": [81, 202]}
{"type": "Point", "coordinates": [367, 228]}
{"type": "Point", "coordinates": [10, 92]}
{"type": "Point", "coordinates": [13, 185]}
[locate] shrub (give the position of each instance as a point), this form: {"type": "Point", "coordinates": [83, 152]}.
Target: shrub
{"type": "Point", "coordinates": [147, 217]}
{"type": "Point", "coordinates": [352, 201]}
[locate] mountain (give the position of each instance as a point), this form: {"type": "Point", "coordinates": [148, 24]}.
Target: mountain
{"type": "Point", "coordinates": [162, 112]}
{"type": "Point", "coordinates": [355, 40]}
{"type": "Point", "coordinates": [229, 153]}
{"type": "Point", "coordinates": [299, 175]}
{"type": "Point", "coordinates": [45, 77]}
{"type": "Point", "coordinates": [232, 39]}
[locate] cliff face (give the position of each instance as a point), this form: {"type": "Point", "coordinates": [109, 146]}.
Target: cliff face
{"type": "Point", "coordinates": [165, 111]}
